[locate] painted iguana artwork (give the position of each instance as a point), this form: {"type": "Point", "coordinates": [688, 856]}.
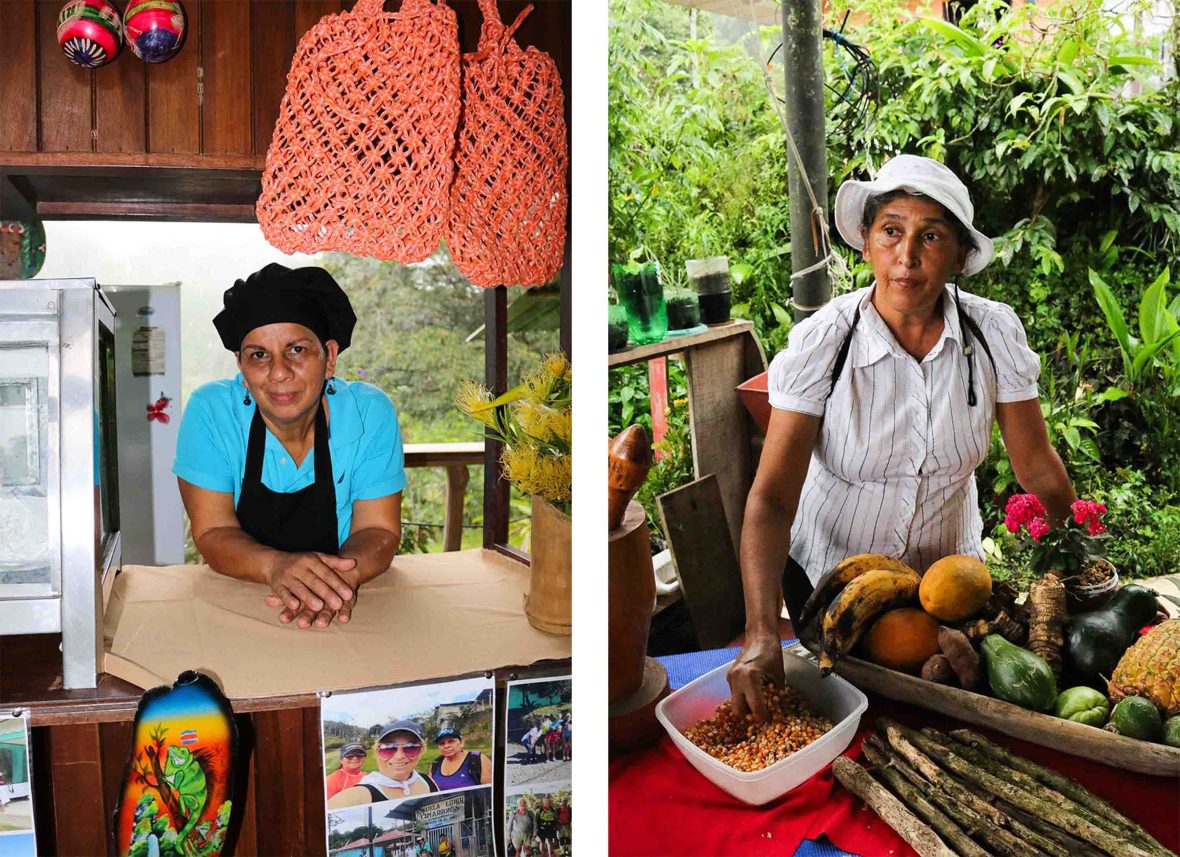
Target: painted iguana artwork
{"type": "Point", "coordinates": [183, 772]}
{"type": "Point", "coordinates": [176, 799]}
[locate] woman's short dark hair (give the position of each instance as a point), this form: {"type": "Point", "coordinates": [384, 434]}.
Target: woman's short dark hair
{"type": "Point", "coordinates": [875, 203]}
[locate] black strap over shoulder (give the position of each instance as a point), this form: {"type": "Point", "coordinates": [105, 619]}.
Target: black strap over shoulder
{"type": "Point", "coordinates": [842, 354]}
{"type": "Point", "coordinates": [968, 327]}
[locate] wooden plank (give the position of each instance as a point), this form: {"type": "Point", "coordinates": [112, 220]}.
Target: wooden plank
{"type": "Point", "coordinates": [147, 211]}
{"type": "Point", "coordinates": [173, 100]}
{"type": "Point", "coordinates": [41, 772]}
{"type": "Point", "coordinates": [82, 826]}
{"type": "Point", "coordinates": [18, 70]}
{"type": "Point", "coordinates": [309, 12]}
{"type": "Point", "coordinates": [227, 106]}
{"type": "Point", "coordinates": [719, 424]}
{"type": "Point", "coordinates": [82, 163]}
{"type": "Point", "coordinates": [676, 344]}
{"type": "Point", "coordinates": [65, 91]}
{"type": "Point", "coordinates": [1119, 751]}
{"type": "Point", "coordinates": [710, 578]}
{"type": "Point", "coordinates": [115, 744]}
{"type": "Point", "coordinates": [443, 454]}
{"type": "Point", "coordinates": [278, 766]}
{"type": "Point", "coordinates": [315, 810]}
{"type": "Point", "coordinates": [243, 832]}
{"type": "Point", "coordinates": [120, 93]}
{"type": "Point", "coordinates": [495, 489]}
{"type": "Point", "coordinates": [513, 554]}
{"type": "Point", "coordinates": [272, 44]}
{"type": "Point", "coordinates": [457, 479]}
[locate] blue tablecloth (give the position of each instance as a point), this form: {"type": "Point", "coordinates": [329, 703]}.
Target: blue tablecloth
{"type": "Point", "coordinates": [684, 668]}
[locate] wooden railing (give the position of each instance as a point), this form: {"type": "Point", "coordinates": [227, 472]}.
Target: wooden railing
{"type": "Point", "coordinates": [456, 458]}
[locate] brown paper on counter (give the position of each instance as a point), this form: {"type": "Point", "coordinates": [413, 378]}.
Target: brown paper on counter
{"type": "Point", "coordinates": [430, 616]}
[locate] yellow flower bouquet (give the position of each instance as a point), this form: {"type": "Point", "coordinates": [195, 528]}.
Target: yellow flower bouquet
{"type": "Point", "coordinates": [534, 421]}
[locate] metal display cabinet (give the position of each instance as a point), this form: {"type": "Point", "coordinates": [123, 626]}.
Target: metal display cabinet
{"type": "Point", "coordinates": [59, 493]}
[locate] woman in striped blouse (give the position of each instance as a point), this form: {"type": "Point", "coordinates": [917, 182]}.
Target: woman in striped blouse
{"type": "Point", "coordinates": [883, 405]}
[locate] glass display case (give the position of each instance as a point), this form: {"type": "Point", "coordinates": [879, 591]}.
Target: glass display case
{"type": "Point", "coordinates": [59, 493]}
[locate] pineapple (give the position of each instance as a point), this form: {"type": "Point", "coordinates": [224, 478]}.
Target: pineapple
{"type": "Point", "coordinates": [1151, 669]}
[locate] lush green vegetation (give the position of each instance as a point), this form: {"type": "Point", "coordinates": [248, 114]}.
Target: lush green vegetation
{"type": "Point", "coordinates": [412, 340]}
{"type": "Point", "coordinates": [1070, 143]}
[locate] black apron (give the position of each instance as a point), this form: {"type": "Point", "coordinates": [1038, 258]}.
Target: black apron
{"type": "Point", "coordinates": [796, 588]}
{"type": "Point", "coordinates": [303, 520]}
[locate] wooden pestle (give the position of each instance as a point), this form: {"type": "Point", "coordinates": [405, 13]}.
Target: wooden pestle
{"type": "Point", "coordinates": [628, 463]}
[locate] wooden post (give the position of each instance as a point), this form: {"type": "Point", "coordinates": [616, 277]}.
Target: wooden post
{"type": "Point", "coordinates": [803, 61]}
{"type": "Point", "coordinates": [495, 489]}
{"type": "Point", "coordinates": [457, 478]}
{"type": "Point", "coordinates": [567, 304]}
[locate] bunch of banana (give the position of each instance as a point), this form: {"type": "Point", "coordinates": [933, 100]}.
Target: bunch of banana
{"type": "Point", "coordinates": [855, 593]}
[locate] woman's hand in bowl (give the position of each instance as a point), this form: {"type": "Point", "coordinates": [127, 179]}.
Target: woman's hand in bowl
{"type": "Point", "coordinates": [759, 661]}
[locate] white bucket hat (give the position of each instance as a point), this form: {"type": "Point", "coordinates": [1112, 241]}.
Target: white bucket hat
{"type": "Point", "coordinates": [916, 175]}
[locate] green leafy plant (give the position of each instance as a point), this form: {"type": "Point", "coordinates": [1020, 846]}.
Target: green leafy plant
{"type": "Point", "coordinates": [1158, 344]}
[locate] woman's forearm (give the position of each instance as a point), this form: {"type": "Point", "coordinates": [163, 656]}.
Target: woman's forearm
{"type": "Point", "coordinates": [766, 541]}
{"type": "Point", "coordinates": [233, 552]}
{"type": "Point", "coordinates": [373, 549]}
{"type": "Point", "coordinates": [1051, 483]}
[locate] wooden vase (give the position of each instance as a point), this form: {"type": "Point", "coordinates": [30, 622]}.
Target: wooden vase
{"type": "Point", "coordinates": [548, 604]}
{"type": "Point", "coordinates": [632, 596]}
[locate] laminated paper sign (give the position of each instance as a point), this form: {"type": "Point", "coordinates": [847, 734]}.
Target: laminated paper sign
{"type": "Point", "coordinates": [148, 351]}
{"type": "Point", "coordinates": [17, 836]}
{"type": "Point", "coordinates": [538, 760]}
{"type": "Point", "coordinates": [408, 770]}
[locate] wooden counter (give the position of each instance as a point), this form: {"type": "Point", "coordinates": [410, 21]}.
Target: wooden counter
{"type": "Point", "coordinates": [80, 740]}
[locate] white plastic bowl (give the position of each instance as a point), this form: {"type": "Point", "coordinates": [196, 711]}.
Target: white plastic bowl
{"type": "Point", "coordinates": [831, 697]}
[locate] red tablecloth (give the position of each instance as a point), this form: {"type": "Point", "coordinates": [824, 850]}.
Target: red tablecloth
{"type": "Point", "coordinates": [660, 805]}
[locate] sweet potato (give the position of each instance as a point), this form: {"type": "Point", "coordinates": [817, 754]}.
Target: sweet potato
{"type": "Point", "coordinates": [963, 658]}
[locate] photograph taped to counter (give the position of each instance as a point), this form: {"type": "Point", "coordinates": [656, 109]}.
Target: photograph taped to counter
{"type": "Point", "coordinates": [399, 743]}
{"type": "Point", "coordinates": [538, 746]}
{"type": "Point", "coordinates": [17, 835]}
{"type": "Point", "coordinates": [442, 825]}
{"type": "Point", "coordinates": [538, 823]}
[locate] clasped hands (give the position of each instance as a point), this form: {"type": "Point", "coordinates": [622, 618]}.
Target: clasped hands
{"type": "Point", "coordinates": [312, 588]}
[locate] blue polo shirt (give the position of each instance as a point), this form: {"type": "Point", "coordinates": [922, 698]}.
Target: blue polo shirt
{"type": "Point", "coordinates": [363, 437]}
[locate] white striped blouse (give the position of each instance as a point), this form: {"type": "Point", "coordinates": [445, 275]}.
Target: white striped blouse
{"type": "Point", "coordinates": [893, 470]}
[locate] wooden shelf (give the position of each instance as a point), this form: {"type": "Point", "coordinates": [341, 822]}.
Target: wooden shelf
{"type": "Point", "coordinates": [676, 344]}
{"type": "Point", "coordinates": [108, 163]}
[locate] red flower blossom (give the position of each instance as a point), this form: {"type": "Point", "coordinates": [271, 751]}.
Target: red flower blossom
{"type": "Point", "coordinates": [1037, 528]}
{"type": "Point", "coordinates": [1021, 509]}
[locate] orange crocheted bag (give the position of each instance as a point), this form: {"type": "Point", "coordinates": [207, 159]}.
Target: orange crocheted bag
{"type": "Point", "coordinates": [361, 158]}
{"type": "Point", "coordinates": [509, 199]}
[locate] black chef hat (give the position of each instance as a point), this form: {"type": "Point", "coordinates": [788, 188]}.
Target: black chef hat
{"type": "Point", "coordinates": [277, 294]}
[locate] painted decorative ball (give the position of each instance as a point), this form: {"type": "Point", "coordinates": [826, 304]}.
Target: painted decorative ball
{"type": "Point", "coordinates": [22, 249]}
{"type": "Point", "coordinates": [155, 28]}
{"type": "Point", "coordinates": [90, 32]}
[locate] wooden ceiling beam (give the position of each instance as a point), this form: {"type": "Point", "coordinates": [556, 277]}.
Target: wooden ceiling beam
{"type": "Point", "coordinates": [178, 211]}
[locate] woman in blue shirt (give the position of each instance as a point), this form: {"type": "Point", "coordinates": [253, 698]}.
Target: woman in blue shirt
{"type": "Point", "coordinates": [292, 477]}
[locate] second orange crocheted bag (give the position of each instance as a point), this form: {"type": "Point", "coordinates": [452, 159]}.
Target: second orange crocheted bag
{"type": "Point", "coordinates": [509, 199]}
{"type": "Point", "coordinates": [361, 157]}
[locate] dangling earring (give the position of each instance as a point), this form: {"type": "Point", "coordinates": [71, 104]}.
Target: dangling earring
{"type": "Point", "coordinates": [331, 388]}
{"type": "Point", "coordinates": [246, 400]}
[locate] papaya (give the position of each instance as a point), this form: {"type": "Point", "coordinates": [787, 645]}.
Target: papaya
{"type": "Point", "coordinates": [955, 588]}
